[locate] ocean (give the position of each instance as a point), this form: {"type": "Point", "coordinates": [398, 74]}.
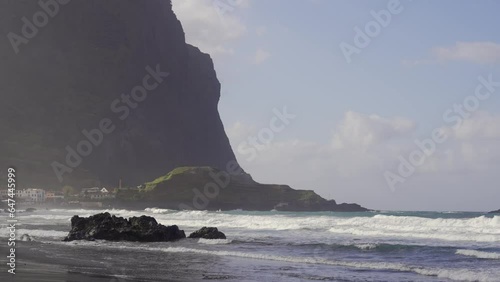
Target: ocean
{"type": "Point", "coordinates": [271, 246]}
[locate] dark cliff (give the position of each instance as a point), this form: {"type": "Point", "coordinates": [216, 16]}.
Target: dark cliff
{"type": "Point", "coordinates": [65, 75]}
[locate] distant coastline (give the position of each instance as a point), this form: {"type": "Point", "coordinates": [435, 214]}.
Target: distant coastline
{"type": "Point", "coordinates": [198, 188]}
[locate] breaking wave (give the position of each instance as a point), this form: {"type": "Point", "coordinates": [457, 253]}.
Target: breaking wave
{"type": "Point", "coordinates": [214, 241]}
{"type": "Point", "coordinates": [478, 254]}
{"type": "Point", "coordinates": [479, 229]}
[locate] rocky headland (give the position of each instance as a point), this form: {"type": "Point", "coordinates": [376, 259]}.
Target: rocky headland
{"type": "Point", "coordinates": [208, 188]}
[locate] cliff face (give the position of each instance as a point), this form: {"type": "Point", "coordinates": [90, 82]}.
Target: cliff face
{"type": "Point", "coordinates": [69, 76]}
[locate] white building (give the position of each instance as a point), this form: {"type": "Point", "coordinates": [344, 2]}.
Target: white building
{"type": "Point", "coordinates": [31, 195]}
{"type": "Point", "coordinates": [96, 193]}
{"type": "Point", "coordinates": [52, 196]}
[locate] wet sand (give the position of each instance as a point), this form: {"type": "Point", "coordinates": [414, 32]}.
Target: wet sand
{"type": "Point", "coordinates": [36, 262]}
{"type": "Point", "coordinates": [34, 271]}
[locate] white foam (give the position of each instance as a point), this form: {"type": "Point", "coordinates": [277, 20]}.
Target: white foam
{"type": "Point", "coordinates": [198, 219]}
{"type": "Point", "coordinates": [478, 254]}
{"type": "Point", "coordinates": [323, 228]}
{"type": "Point", "coordinates": [35, 233]}
{"type": "Point", "coordinates": [479, 275]}
{"type": "Point", "coordinates": [214, 241]}
{"type": "Point", "coordinates": [35, 218]}
{"type": "Point", "coordinates": [482, 275]}
{"type": "Point", "coordinates": [479, 229]}
{"type": "Point", "coordinates": [366, 246]}
{"type": "Point", "coordinates": [158, 211]}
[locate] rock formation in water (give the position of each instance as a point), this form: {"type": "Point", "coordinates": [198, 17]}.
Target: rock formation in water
{"type": "Point", "coordinates": [210, 233]}
{"type": "Point", "coordinates": [105, 226]}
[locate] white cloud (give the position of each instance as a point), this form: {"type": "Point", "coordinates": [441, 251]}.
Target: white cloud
{"type": "Point", "coordinates": [482, 125]}
{"type": "Point", "coordinates": [351, 168]}
{"type": "Point", "coordinates": [472, 52]}
{"type": "Point", "coordinates": [363, 131]}
{"type": "Point", "coordinates": [239, 131]}
{"type": "Point", "coordinates": [211, 25]}
{"type": "Point", "coordinates": [473, 145]}
{"type": "Point", "coordinates": [261, 56]}
{"type": "Point", "coordinates": [360, 143]}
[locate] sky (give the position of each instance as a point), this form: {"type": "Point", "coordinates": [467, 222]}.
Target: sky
{"type": "Point", "coordinates": [394, 105]}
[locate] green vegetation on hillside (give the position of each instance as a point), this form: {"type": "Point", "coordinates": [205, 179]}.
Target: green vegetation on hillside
{"type": "Point", "coordinates": [149, 186]}
{"type": "Point", "coordinates": [212, 189]}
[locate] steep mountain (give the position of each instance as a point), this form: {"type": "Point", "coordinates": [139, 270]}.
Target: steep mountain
{"type": "Point", "coordinates": [65, 66]}
{"type": "Point", "coordinates": [94, 91]}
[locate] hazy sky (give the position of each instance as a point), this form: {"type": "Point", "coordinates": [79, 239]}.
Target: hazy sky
{"type": "Point", "coordinates": [361, 82]}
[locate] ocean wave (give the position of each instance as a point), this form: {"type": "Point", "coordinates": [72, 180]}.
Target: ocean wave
{"type": "Point", "coordinates": [478, 254]}
{"type": "Point", "coordinates": [75, 211]}
{"type": "Point", "coordinates": [482, 275]}
{"type": "Point", "coordinates": [34, 218]}
{"type": "Point", "coordinates": [83, 212]}
{"type": "Point", "coordinates": [35, 233]}
{"type": "Point", "coordinates": [485, 275]}
{"type": "Point", "coordinates": [214, 241]}
{"type": "Point", "coordinates": [158, 210]}
{"type": "Point", "coordinates": [457, 274]}
{"type": "Point", "coordinates": [366, 246]}
{"type": "Point", "coordinates": [372, 247]}
{"type": "Point", "coordinates": [278, 222]}
{"type": "Point", "coordinates": [479, 229]}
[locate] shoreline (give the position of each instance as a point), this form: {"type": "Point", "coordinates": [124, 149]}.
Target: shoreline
{"type": "Point", "coordinates": [270, 248]}
{"type": "Point", "coordinates": [53, 261]}
{"type": "Point", "coordinates": [33, 270]}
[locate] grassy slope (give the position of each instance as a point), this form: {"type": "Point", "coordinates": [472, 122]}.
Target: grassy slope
{"type": "Point", "coordinates": [177, 187]}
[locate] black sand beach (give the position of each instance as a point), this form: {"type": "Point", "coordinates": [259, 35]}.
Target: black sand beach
{"type": "Point", "coordinates": [38, 262]}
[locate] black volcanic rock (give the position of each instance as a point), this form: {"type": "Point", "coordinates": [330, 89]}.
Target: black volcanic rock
{"type": "Point", "coordinates": [498, 211]}
{"type": "Point", "coordinates": [208, 233]}
{"type": "Point", "coordinates": [65, 78]}
{"type": "Point", "coordinates": [26, 238]}
{"type": "Point", "coordinates": [104, 226]}
{"type": "Point", "coordinates": [344, 207]}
